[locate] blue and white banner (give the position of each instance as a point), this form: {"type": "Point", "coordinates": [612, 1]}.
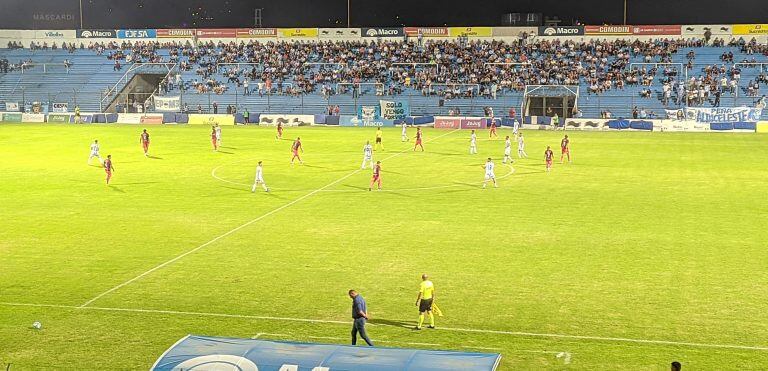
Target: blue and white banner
{"type": "Point", "coordinates": [723, 114]}
{"type": "Point", "coordinates": [394, 110]}
{"type": "Point", "coordinates": [137, 34]}
{"type": "Point", "coordinates": [167, 104]}
{"type": "Point", "coordinates": [217, 353]}
{"type": "Point", "coordinates": [12, 106]}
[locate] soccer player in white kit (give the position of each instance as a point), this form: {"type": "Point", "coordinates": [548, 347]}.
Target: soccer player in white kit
{"type": "Point", "coordinates": [95, 152]}
{"type": "Point", "coordinates": [507, 150]}
{"type": "Point", "coordinates": [367, 154]}
{"type": "Point", "coordinates": [515, 127]}
{"type": "Point", "coordinates": [473, 143]}
{"type": "Point", "coordinates": [218, 134]}
{"type": "Point", "coordinates": [259, 179]}
{"type": "Point", "coordinates": [521, 147]}
{"type": "Point", "coordinates": [489, 174]}
{"type": "Point", "coordinates": [404, 135]}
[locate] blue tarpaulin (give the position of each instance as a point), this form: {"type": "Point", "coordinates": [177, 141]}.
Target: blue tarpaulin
{"type": "Point", "coordinates": [210, 353]}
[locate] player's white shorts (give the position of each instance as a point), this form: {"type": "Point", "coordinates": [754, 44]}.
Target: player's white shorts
{"type": "Point", "coordinates": [259, 179]}
{"type": "Point", "coordinates": [490, 175]}
{"type": "Point", "coordinates": [507, 151]}
{"type": "Point", "coordinates": [94, 154]}
{"type": "Point", "coordinates": [368, 158]}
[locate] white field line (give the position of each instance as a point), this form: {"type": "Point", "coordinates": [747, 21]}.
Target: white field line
{"type": "Point", "coordinates": [453, 329]}
{"type": "Point", "coordinates": [159, 266]}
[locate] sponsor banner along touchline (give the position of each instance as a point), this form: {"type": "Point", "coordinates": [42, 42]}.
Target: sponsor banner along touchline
{"type": "Point", "coordinates": [699, 30]}
{"type": "Point", "coordinates": [96, 34]}
{"type": "Point", "coordinates": [206, 119]}
{"type": "Point", "coordinates": [383, 32]}
{"type": "Point", "coordinates": [561, 31]}
{"type": "Point", "coordinates": [137, 34]}
{"type": "Point", "coordinates": [286, 120]}
{"type": "Point", "coordinates": [335, 33]}
{"type": "Point", "coordinates": [176, 33]}
{"type": "Point", "coordinates": [608, 30]}
{"type": "Point", "coordinates": [750, 29]}
{"type": "Point", "coordinates": [297, 32]}
{"type": "Point", "coordinates": [210, 33]}
{"type": "Point", "coordinates": [447, 122]}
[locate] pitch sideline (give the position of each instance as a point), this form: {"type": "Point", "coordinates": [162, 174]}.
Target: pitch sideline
{"type": "Point", "coordinates": [273, 211]}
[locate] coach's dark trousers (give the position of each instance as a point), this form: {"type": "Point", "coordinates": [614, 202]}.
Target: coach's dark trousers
{"type": "Point", "coordinates": [359, 326]}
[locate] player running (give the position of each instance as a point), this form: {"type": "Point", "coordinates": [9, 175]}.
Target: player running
{"type": "Point", "coordinates": [279, 131]}
{"type": "Point", "coordinates": [507, 150]}
{"type": "Point", "coordinates": [376, 178]}
{"type": "Point", "coordinates": [424, 301]}
{"type": "Point", "coordinates": [565, 149]}
{"type": "Point", "coordinates": [404, 134]}
{"type": "Point", "coordinates": [379, 133]}
{"type": "Point", "coordinates": [295, 148]}
{"type": "Point", "coordinates": [214, 139]}
{"type": "Point", "coordinates": [108, 168]}
{"type": "Point", "coordinates": [473, 143]}
{"type": "Point", "coordinates": [548, 155]}
{"type": "Point", "coordinates": [144, 140]}
{"type": "Point", "coordinates": [418, 140]}
{"type": "Point", "coordinates": [489, 174]}
{"type": "Point", "coordinates": [367, 154]}
{"type": "Point", "coordinates": [95, 152]}
{"type": "Point", "coordinates": [492, 134]}
{"type": "Point", "coordinates": [218, 134]}
{"type": "Point", "coordinates": [521, 147]}
{"type": "Point", "coordinates": [259, 179]}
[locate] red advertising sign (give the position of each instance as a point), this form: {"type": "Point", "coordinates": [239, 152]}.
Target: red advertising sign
{"type": "Point", "coordinates": [608, 30]}
{"type": "Point", "coordinates": [217, 33]}
{"type": "Point", "coordinates": [256, 32]}
{"type": "Point", "coordinates": [151, 119]}
{"type": "Point", "coordinates": [447, 123]}
{"type": "Point", "coordinates": [473, 123]}
{"type": "Point", "coordinates": [427, 31]}
{"type": "Point", "coordinates": [657, 30]}
{"type": "Point", "coordinates": [179, 33]}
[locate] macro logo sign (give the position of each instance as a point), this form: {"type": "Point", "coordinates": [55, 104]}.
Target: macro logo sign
{"type": "Point", "coordinates": [383, 32]}
{"type": "Point", "coordinates": [100, 34]}
{"type": "Point", "coordinates": [561, 31]}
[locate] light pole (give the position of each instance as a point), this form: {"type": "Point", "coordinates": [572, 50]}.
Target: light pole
{"type": "Point", "coordinates": [81, 14]}
{"type": "Point", "coordinates": [348, 13]}
{"type": "Point", "coordinates": [625, 12]}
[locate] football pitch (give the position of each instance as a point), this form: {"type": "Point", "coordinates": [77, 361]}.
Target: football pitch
{"type": "Point", "coordinates": [648, 248]}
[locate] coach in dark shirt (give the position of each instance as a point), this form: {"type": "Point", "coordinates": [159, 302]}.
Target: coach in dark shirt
{"type": "Point", "coordinates": [359, 315]}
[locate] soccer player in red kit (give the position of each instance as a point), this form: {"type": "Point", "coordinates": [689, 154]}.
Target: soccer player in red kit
{"type": "Point", "coordinates": [108, 168]}
{"type": "Point", "coordinates": [418, 140]}
{"type": "Point", "coordinates": [493, 134]}
{"type": "Point", "coordinates": [548, 155]}
{"type": "Point", "coordinates": [376, 178]}
{"type": "Point", "coordinates": [295, 149]}
{"type": "Point", "coordinates": [279, 131]}
{"type": "Point", "coordinates": [214, 139]}
{"type": "Point", "coordinates": [144, 139]}
{"type": "Point", "coordinates": [565, 150]}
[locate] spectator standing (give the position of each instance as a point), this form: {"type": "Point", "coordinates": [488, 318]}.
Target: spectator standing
{"type": "Point", "coordinates": [359, 316]}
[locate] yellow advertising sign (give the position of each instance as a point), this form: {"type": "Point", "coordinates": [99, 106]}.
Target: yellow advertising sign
{"type": "Point", "coordinates": [762, 127]}
{"type": "Point", "coordinates": [204, 119]}
{"type": "Point", "coordinates": [470, 31]}
{"type": "Point", "coordinates": [298, 32]}
{"type": "Point", "coordinates": [750, 29]}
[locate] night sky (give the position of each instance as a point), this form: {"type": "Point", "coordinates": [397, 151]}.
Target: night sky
{"type": "Point", "coordinates": [333, 13]}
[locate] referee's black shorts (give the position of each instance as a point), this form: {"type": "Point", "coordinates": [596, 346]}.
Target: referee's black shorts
{"type": "Point", "coordinates": [425, 305]}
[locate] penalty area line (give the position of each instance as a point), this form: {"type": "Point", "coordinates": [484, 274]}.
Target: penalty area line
{"type": "Point", "coordinates": [451, 329]}
{"type": "Point", "coordinates": [241, 226]}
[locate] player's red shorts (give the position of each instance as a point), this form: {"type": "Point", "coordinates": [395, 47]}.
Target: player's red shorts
{"type": "Point", "coordinates": [418, 141]}
{"type": "Point", "coordinates": [145, 145]}
{"type": "Point", "coordinates": [280, 131]}
{"type": "Point", "coordinates": [565, 150]}
{"type": "Point", "coordinates": [549, 163]}
{"type": "Point", "coordinates": [295, 152]}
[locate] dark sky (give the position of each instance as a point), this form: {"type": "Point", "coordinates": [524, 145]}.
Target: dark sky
{"type": "Point", "coordinates": [330, 13]}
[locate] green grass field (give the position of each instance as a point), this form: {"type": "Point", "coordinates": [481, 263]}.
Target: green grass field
{"type": "Point", "coordinates": [649, 248]}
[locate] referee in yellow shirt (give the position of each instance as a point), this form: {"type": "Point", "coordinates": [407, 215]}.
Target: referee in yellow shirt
{"type": "Point", "coordinates": [424, 301]}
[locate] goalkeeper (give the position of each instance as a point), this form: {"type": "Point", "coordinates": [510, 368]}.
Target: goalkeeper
{"type": "Point", "coordinates": [424, 301]}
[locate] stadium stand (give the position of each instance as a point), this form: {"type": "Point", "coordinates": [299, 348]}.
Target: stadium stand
{"type": "Point", "coordinates": [615, 78]}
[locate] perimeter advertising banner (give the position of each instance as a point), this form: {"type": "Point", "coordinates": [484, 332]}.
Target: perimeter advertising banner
{"type": "Point", "coordinates": [427, 31]}
{"type": "Point", "coordinates": [383, 32]}
{"type": "Point", "coordinates": [699, 30]}
{"type": "Point", "coordinates": [254, 33]}
{"type": "Point", "coordinates": [206, 119]}
{"type": "Point", "coordinates": [447, 122]}
{"type": "Point", "coordinates": [470, 31]}
{"type": "Point", "coordinates": [561, 31]}
{"type": "Point", "coordinates": [657, 30]}
{"type": "Point", "coordinates": [298, 32]}
{"type": "Point", "coordinates": [61, 118]}
{"type": "Point", "coordinates": [473, 123]}
{"type": "Point", "coordinates": [137, 34]}
{"type": "Point", "coordinates": [96, 34]}
{"type": "Point", "coordinates": [608, 30]}
{"type": "Point", "coordinates": [217, 33]}
{"type": "Point", "coordinates": [175, 33]}
{"type": "Point", "coordinates": [337, 33]}
{"type": "Point", "coordinates": [750, 29]}
{"type": "Point", "coordinates": [11, 117]}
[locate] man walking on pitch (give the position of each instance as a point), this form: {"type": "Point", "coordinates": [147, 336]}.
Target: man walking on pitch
{"type": "Point", "coordinates": [489, 173]}
{"type": "Point", "coordinates": [507, 150]}
{"type": "Point", "coordinates": [521, 147]}
{"type": "Point", "coordinates": [144, 139]}
{"type": "Point", "coordinates": [295, 148]}
{"type": "Point", "coordinates": [404, 135]}
{"type": "Point", "coordinates": [259, 179]}
{"type": "Point", "coordinates": [548, 155]}
{"type": "Point", "coordinates": [565, 149]}
{"type": "Point", "coordinates": [418, 140]}
{"type": "Point", "coordinates": [376, 177]}
{"type": "Point", "coordinates": [378, 138]}
{"type": "Point", "coordinates": [424, 301]}
{"type": "Point", "coordinates": [473, 143]}
{"type": "Point", "coordinates": [218, 135]}
{"type": "Point", "coordinates": [95, 152]}
{"type": "Point", "coordinates": [214, 140]}
{"type": "Point", "coordinates": [367, 154]}
{"type": "Point", "coordinates": [108, 168]}
{"type": "Point", "coordinates": [360, 316]}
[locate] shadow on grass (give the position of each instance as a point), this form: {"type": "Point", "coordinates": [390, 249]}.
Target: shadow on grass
{"type": "Point", "coordinates": [225, 152]}
{"type": "Point", "coordinates": [154, 157]}
{"type": "Point", "coordinates": [395, 323]}
{"type": "Point", "coordinates": [116, 189]}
